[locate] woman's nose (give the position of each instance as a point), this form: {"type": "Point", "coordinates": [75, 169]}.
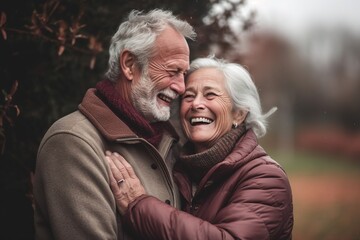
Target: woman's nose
{"type": "Point", "coordinates": [198, 103]}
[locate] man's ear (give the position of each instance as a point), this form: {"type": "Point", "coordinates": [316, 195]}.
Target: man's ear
{"type": "Point", "coordinates": [127, 64]}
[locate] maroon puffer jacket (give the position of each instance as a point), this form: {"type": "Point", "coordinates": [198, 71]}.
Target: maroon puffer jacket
{"type": "Point", "coordinates": [246, 196]}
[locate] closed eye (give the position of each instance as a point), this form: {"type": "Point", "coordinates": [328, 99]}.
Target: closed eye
{"type": "Point", "coordinates": [176, 72]}
{"type": "Point", "coordinates": [172, 73]}
{"type": "Point", "coordinates": [211, 95]}
{"type": "Point", "coordinates": [188, 96]}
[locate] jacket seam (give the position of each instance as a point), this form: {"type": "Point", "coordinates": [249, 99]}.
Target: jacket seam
{"type": "Point", "coordinates": [66, 133]}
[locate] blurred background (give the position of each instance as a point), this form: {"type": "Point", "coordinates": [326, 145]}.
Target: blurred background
{"type": "Point", "coordinates": [304, 57]}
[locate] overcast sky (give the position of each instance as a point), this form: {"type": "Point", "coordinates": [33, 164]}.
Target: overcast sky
{"type": "Point", "coordinates": [295, 16]}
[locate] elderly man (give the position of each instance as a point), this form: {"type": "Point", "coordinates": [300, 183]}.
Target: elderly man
{"type": "Point", "coordinates": [128, 112]}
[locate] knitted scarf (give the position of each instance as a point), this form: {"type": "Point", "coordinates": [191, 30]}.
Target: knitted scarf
{"type": "Point", "coordinates": [198, 164]}
{"type": "Point", "coordinates": [152, 132]}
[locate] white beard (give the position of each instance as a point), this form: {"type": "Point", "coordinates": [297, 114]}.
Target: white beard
{"type": "Point", "coordinates": [144, 99]}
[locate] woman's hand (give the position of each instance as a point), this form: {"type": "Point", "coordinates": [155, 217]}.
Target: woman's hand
{"type": "Point", "coordinates": [124, 184]}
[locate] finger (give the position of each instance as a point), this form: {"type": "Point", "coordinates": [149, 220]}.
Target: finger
{"type": "Point", "coordinates": [115, 169]}
{"type": "Point", "coordinates": [119, 162]}
{"type": "Point", "coordinates": [128, 167]}
{"type": "Point", "coordinates": [112, 171]}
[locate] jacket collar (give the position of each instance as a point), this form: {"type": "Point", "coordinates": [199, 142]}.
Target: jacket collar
{"type": "Point", "coordinates": [99, 114]}
{"type": "Point", "coordinates": [245, 150]}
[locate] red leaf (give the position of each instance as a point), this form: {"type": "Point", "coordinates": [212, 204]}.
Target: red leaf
{"type": "Point", "coordinates": [61, 50]}
{"type": "Point", "coordinates": [92, 62]}
{"type": "Point", "coordinates": [4, 35]}
{"type": "Point", "coordinates": [2, 19]}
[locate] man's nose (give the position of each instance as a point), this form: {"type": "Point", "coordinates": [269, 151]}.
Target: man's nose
{"type": "Point", "coordinates": [178, 85]}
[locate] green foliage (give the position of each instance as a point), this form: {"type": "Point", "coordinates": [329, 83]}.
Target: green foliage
{"type": "Point", "coordinates": [311, 163]}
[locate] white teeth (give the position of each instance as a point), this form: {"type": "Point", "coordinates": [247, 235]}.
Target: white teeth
{"type": "Point", "coordinates": [200, 120]}
{"type": "Point", "coordinates": [165, 98]}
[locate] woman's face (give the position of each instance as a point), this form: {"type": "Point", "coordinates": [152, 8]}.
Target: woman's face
{"type": "Point", "coordinates": [206, 108]}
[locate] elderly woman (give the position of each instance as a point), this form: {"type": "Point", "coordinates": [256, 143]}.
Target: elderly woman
{"type": "Point", "coordinates": [230, 187]}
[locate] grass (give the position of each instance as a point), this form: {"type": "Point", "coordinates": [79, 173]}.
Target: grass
{"type": "Point", "coordinates": [315, 163]}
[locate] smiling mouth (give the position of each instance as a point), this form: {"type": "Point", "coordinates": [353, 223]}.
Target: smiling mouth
{"type": "Point", "coordinates": [200, 120]}
{"type": "Point", "coordinates": [165, 98]}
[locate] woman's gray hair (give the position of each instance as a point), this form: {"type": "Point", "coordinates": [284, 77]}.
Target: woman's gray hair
{"type": "Point", "coordinates": [241, 89]}
{"type": "Point", "coordinates": [138, 34]}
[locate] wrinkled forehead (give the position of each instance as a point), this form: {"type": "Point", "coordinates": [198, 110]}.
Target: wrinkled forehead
{"type": "Point", "coordinates": [171, 43]}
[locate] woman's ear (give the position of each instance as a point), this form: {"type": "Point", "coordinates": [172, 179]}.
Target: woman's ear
{"type": "Point", "coordinates": [127, 64]}
{"type": "Point", "coordinates": [239, 116]}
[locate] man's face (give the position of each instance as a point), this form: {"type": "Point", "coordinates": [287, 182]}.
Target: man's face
{"type": "Point", "coordinates": [154, 91]}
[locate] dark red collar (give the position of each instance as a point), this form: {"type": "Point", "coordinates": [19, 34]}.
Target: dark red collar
{"type": "Point", "coordinates": [152, 132]}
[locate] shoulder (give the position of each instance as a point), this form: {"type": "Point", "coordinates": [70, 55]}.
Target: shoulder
{"type": "Point", "coordinates": [70, 122]}
{"type": "Point", "coordinates": [258, 167]}
{"type": "Point", "coordinates": [75, 124]}
{"type": "Point", "coordinates": [73, 131]}
{"type": "Point", "coordinates": [256, 171]}
{"type": "Point", "coordinates": [264, 188]}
